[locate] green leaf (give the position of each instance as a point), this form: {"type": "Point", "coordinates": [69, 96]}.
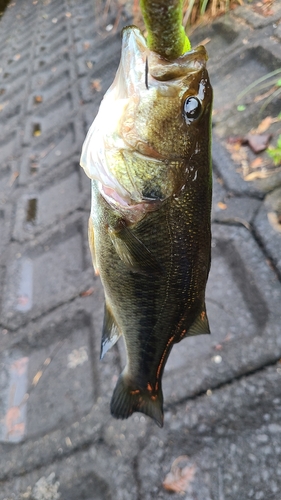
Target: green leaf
{"type": "Point", "coordinates": [241, 107]}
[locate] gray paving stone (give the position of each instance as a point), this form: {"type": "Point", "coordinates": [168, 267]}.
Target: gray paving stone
{"type": "Point", "coordinates": [35, 213]}
{"type": "Point", "coordinates": [256, 19]}
{"type": "Point", "coordinates": [230, 172]}
{"type": "Point", "coordinates": [60, 80]}
{"type": "Point", "coordinates": [225, 442]}
{"type": "Point", "coordinates": [47, 153]}
{"type": "Point", "coordinates": [49, 117]}
{"type": "Point", "coordinates": [222, 36]}
{"type": "Point", "coordinates": [45, 273]}
{"type": "Point", "coordinates": [268, 227]}
{"type": "Point", "coordinates": [231, 209]}
{"type": "Point", "coordinates": [90, 475]}
{"type": "Point", "coordinates": [46, 70]}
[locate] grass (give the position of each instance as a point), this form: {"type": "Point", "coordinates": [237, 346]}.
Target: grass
{"type": "Point", "coordinates": [195, 11]}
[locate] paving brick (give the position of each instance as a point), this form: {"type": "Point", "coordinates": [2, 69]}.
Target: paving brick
{"type": "Point", "coordinates": [268, 227]}
{"type": "Point", "coordinates": [48, 153]}
{"type": "Point", "coordinates": [223, 35]}
{"type": "Point", "coordinates": [228, 208]}
{"type": "Point", "coordinates": [60, 82]}
{"type": "Point", "coordinates": [224, 451]}
{"type": "Point", "coordinates": [92, 474]}
{"type": "Point", "coordinates": [45, 273]}
{"type": "Point", "coordinates": [45, 69]}
{"type": "Point", "coordinates": [49, 117]}
{"type": "Point", "coordinates": [103, 72]}
{"type": "Point", "coordinates": [90, 57]}
{"type": "Point", "coordinates": [8, 147]}
{"type": "Point", "coordinates": [35, 213]}
{"type": "Point", "coordinates": [242, 69]}
{"type": "Point", "coordinates": [230, 171]}
{"type": "Point", "coordinates": [256, 19]}
{"type": "Point", "coordinates": [52, 400]}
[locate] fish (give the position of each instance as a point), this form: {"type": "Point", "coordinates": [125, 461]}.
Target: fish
{"type": "Point", "coordinates": [148, 155]}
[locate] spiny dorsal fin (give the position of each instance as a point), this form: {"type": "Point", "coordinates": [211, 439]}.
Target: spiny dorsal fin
{"type": "Point", "coordinates": [110, 332]}
{"type": "Point", "coordinates": [200, 325]}
{"type": "Point", "coordinates": [133, 252]}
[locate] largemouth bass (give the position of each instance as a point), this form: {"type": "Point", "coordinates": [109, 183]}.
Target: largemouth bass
{"type": "Point", "coordinates": [148, 155]}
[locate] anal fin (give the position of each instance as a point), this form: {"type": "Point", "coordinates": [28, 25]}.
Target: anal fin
{"type": "Point", "coordinates": [110, 332]}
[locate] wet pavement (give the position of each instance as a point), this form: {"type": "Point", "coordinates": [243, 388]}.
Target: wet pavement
{"type": "Point", "coordinates": [222, 434]}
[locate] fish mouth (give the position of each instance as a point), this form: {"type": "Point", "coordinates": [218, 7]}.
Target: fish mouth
{"type": "Point", "coordinates": [146, 63]}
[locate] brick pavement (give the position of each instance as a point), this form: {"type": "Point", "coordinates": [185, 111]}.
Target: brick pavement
{"type": "Point", "coordinates": [222, 394]}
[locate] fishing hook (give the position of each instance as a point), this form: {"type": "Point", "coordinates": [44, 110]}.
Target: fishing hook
{"type": "Point", "coordinates": [146, 73]}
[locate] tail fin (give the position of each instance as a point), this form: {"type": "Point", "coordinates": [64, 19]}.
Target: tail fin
{"type": "Point", "coordinates": [127, 399]}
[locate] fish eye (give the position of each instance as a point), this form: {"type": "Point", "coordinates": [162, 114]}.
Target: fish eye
{"type": "Point", "coordinates": [192, 108]}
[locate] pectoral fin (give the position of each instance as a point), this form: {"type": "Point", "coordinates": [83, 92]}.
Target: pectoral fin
{"type": "Point", "coordinates": [110, 332]}
{"type": "Point", "coordinates": [91, 237]}
{"type": "Point", "coordinates": [200, 325]}
{"type": "Point", "coordinates": [133, 252]}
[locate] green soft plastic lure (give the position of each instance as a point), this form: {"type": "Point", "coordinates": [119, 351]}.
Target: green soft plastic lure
{"type": "Point", "coordinates": [165, 33]}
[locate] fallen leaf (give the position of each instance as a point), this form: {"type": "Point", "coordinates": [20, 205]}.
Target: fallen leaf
{"type": "Point", "coordinates": [275, 221]}
{"type": "Point", "coordinates": [257, 162]}
{"type": "Point", "coordinates": [222, 205]}
{"type": "Point", "coordinates": [258, 142]}
{"type": "Point", "coordinates": [3, 105]}
{"type": "Point", "coordinates": [77, 357]}
{"type": "Point", "coordinates": [37, 99]}
{"type": "Point", "coordinates": [260, 97]}
{"type": "Point", "coordinates": [23, 300]}
{"type": "Point", "coordinates": [235, 140]}
{"type": "Point", "coordinates": [218, 347]}
{"type": "Point", "coordinates": [88, 292]}
{"type": "Point", "coordinates": [180, 477]}
{"type": "Point", "coordinates": [47, 361]}
{"type": "Point", "coordinates": [96, 84]}
{"type": "Point", "coordinates": [86, 45]}
{"type": "Point", "coordinates": [12, 421]}
{"type": "Point", "coordinates": [20, 366]}
{"type": "Point", "coordinates": [256, 175]}
{"type": "Point", "coordinates": [36, 378]}
{"type": "Point", "coordinates": [205, 41]}
{"type": "Point", "coordinates": [265, 124]}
